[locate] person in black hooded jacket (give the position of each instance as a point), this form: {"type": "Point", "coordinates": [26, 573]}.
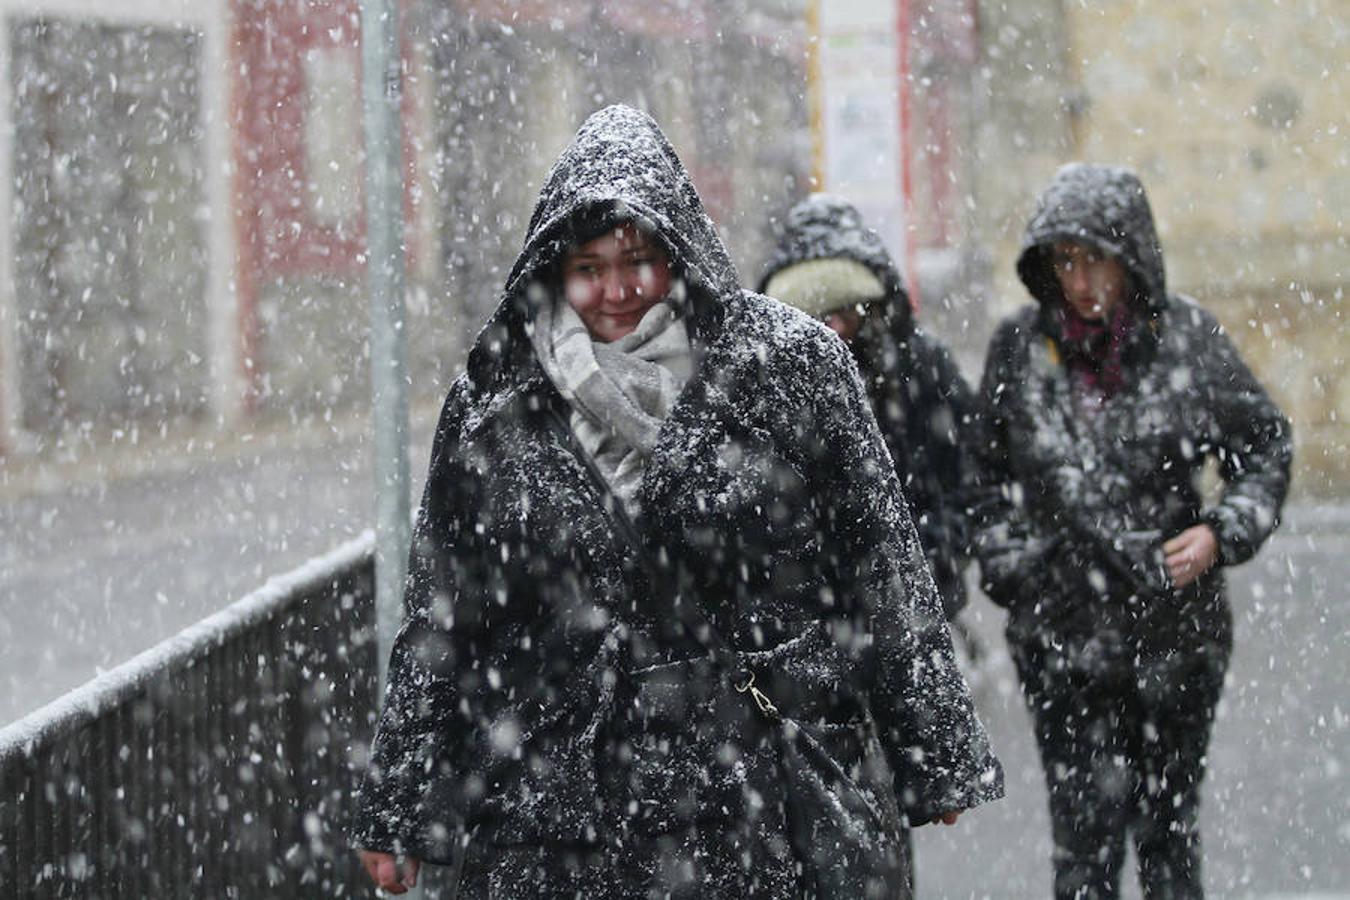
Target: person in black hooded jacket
{"type": "Point", "coordinates": [830, 265]}
{"type": "Point", "coordinates": [1101, 404]}
{"type": "Point", "coordinates": [634, 431]}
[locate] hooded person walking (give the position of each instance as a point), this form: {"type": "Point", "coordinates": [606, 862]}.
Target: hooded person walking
{"type": "Point", "coordinates": [831, 266]}
{"type": "Point", "coordinates": [1102, 403]}
{"type": "Point", "coordinates": [669, 629]}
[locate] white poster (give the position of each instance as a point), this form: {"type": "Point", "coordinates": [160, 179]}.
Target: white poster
{"type": "Point", "coordinates": [860, 112]}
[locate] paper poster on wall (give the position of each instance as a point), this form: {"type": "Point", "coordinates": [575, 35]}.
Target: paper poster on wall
{"type": "Point", "coordinates": [860, 111]}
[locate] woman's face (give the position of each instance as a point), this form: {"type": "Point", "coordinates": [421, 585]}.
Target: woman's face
{"type": "Point", "coordinates": [613, 280]}
{"type": "Point", "coordinates": [1092, 282]}
{"type": "Point", "coordinates": [846, 322]}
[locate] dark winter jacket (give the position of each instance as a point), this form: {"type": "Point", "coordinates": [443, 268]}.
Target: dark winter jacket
{"type": "Point", "coordinates": [1078, 503]}
{"type": "Point", "coordinates": [917, 392]}
{"type": "Point", "coordinates": [533, 692]}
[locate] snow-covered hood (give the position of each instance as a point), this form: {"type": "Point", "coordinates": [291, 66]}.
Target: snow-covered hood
{"type": "Point", "coordinates": [621, 164]}
{"type": "Point", "coordinates": [619, 167]}
{"type": "Point", "coordinates": [1102, 206]}
{"type": "Point", "coordinates": [828, 227]}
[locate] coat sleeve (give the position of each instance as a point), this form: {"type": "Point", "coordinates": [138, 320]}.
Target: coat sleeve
{"type": "Point", "coordinates": [1254, 448]}
{"type": "Point", "coordinates": [936, 745]}
{"type": "Point", "coordinates": [1009, 548]}
{"type": "Point", "coordinates": [399, 809]}
{"type": "Point", "coordinates": [951, 428]}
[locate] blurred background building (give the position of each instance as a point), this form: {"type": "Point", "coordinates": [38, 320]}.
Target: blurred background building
{"type": "Point", "coordinates": [181, 248]}
{"type": "Point", "coordinates": [184, 238]}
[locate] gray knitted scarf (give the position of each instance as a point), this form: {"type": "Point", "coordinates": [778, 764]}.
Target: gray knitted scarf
{"type": "Point", "coordinates": [620, 392]}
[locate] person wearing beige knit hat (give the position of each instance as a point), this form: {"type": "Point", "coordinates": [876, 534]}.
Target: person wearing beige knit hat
{"type": "Point", "coordinates": [838, 291]}
{"type": "Point", "coordinates": [831, 266]}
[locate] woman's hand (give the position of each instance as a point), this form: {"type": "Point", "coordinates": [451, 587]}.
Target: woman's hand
{"type": "Point", "coordinates": [1191, 554]}
{"type": "Point", "coordinates": [383, 869]}
{"type": "Point", "coordinates": [947, 818]}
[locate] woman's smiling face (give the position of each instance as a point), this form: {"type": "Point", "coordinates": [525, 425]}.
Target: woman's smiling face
{"type": "Point", "coordinates": [611, 281]}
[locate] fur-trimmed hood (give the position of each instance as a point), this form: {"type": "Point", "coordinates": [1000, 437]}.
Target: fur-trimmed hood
{"type": "Point", "coordinates": [827, 227]}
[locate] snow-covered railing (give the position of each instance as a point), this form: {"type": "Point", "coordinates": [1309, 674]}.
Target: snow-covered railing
{"type": "Point", "coordinates": [213, 765]}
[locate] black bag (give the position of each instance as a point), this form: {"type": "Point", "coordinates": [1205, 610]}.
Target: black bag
{"type": "Point", "coordinates": [845, 824]}
{"type": "Point", "coordinates": [834, 784]}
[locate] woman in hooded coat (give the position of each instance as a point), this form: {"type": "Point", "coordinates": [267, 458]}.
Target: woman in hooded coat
{"type": "Point", "coordinates": [634, 431]}
{"type": "Point", "coordinates": [1101, 404]}
{"type": "Point", "coordinates": [830, 265]}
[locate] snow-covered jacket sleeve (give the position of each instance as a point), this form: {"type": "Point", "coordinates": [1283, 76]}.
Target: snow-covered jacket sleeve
{"type": "Point", "coordinates": [1010, 549]}
{"type": "Point", "coordinates": [1254, 448]}
{"type": "Point", "coordinates": [933, 738]}
{"type": "Point", "coordinates": [406, 805]}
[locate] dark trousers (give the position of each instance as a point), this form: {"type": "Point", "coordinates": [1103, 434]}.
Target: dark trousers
{"type": "Point", "coordinates": [1118, 765]}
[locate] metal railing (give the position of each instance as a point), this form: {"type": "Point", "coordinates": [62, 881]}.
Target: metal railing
{"type": "Point", "coordinates": [217, 764]}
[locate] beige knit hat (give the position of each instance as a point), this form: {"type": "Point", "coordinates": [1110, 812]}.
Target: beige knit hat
{"type": "Point", "coordinates": [819, 287]}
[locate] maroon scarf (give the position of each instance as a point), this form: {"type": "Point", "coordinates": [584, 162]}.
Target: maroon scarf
{"type": "Point", "coordinates": [1093, 348]}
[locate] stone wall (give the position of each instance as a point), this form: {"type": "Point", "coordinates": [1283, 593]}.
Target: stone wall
{"type": "Point", "coordinates": [1024, 99]}
{"type": "Point", "coordinates": [1234, 113]}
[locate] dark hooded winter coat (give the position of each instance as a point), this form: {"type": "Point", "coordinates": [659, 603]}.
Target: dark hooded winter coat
{"type": "Point", "coordinates": [917, 392]}
{"type": "Point", "coordinates": [535, 695]}
{"type": "Point", "coordinates": [1078, 502]}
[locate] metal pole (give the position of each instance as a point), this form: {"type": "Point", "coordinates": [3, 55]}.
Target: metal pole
{"type": "Point", "coordinates": [906, 87]}
{"type": "Point", "coordinates": [380, 77]}
{"type": "Point", "coordinates": [815, 94]}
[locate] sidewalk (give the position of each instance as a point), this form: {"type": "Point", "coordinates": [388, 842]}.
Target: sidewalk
{"type": "Point", "coordinates": [121, 454]}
